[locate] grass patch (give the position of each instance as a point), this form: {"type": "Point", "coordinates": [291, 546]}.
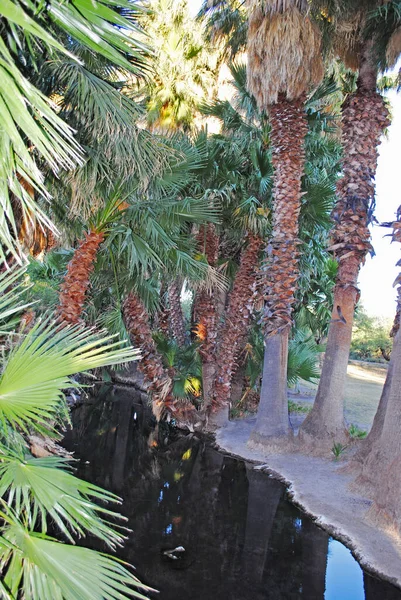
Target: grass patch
{"type": "Point", "coordinates": [295, 407]}
{"type": "Point", "coordinates": [356, 432]}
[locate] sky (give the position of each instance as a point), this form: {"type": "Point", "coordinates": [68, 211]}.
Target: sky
{"type": "Point", "coordinates": [378, 274]}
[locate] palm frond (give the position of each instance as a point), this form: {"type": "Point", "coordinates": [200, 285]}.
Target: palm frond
{"type": "Point", "coordinates": [38, 369]}
{"type": "Point", "coordinates": [49, 570]}
{"type": "Point", "coordinates": [39, 488]}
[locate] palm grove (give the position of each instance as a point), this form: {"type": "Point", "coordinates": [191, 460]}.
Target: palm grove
{"type": "Point", "coordinates": [202, 190]}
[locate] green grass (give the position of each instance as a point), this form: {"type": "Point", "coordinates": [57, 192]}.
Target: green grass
{"type": "Point", "coordinates": [299, 408]}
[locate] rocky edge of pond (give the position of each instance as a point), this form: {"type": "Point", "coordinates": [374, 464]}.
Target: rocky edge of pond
{"type": "Point", "coordinates": [321, 489]}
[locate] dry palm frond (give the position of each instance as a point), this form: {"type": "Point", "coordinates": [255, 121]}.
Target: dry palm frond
{"type": "Point", "coordinates": [394, 48]}
{"type": "Point", "coordinates": [284, 53]}
{"type": "Point", "coordinates": [280, 6]}
{"type": "Point", "coordinates": [348, 39]}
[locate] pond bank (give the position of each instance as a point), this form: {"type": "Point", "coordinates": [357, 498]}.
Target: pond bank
{"type": "Point", "coordinates": [318, 487]}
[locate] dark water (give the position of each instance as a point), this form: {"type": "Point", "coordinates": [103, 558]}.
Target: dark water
{"type": "Point", "coordinates": [243, 539]}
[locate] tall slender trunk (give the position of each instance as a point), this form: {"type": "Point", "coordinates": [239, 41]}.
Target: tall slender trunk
{"type": "Point", "coordinates": [288, 130]}
{"type": "Point", "coordinates": [76, 282]}
{"type": "Point", "coordinates": [236, 323]}
{"type": "Point", "coordinates": [205, 315]}
{"type": "Point", "coordinates": [272, 417]}
{"type": "Point", "coordinates": [175, 311]}
{"type": "Point", "coordinates": [159, 382]}
{"type": "Point", "coordinates": [364, 118]}
{"type": "Point", "coordinates": [378, 422]}
{"type": "Point", "coordinates": [380, 476]}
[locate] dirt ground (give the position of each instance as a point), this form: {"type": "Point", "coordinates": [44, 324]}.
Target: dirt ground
{"type": "Point", "coordinates": [362, 394]}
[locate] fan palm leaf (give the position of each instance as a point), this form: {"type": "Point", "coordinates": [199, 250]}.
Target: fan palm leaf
{"type": "Point", "coordinates": [39, 488]}
{"type": "Point", "coordinates": [39, 367]}
{"type": "Point", "coordinates": [48, 570]}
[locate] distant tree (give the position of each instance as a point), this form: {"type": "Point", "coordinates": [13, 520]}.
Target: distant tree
{"type": "Point", "coordinates": [370, 337]}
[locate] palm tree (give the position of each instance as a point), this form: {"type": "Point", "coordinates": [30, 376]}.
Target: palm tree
{"type": "Point", "coordinates": [176, 315]}
{"type": "Point", "coordinates": [205, 313]}
{"type": "Point", "coordinates": [159, 382]}
{"type": "Point", "coordinates": [76, 282]}
{"type": "Point", "coordinates": [29, 124]}
{"type": "Point", "coordinates": [41, 494]}
{"type": "Point", "coordinates": [364, 119]}
{"type": "Point", "coordinates": [237, 321]}
{"type": "Point", "coordinates": [226, 21]}
{"type": "Point", "coordinates": [380, 453]}
{"type": "Point", "coordinates": [184, 66]}
{"type": "Point", "coordinates": [284, 63]}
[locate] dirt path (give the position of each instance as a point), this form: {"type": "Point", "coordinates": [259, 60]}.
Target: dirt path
{"type": "Point", "coordinates": [318, 487]}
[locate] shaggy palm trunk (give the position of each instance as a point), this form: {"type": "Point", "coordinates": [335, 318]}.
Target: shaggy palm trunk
{"type": "Point", "coordinates": [175, 312]}
{"type": "Point", "coordinates": [163, 317]}
{"type": "Point", "coordinates": [76, 282]}
{"type": "Point", "coordinates": [378, 422]}
{"type": "Point", "coordinates": [288, 130]}
{"type": "Point", "coordinates": [236, 324]}
{"type": "Point", "coordinates": [205, 315]}
{"type": "Point", "coordinates": [159, 382]}
{"type": "Point", "coordinates": [365, 117]}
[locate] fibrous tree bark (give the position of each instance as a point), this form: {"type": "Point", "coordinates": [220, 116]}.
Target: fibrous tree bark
{"type": "Point", "coordinates": [364, 119]}
{"type": "Point", "coordinates": [76, 282]}
{"type": "Point", "coordinates": [205, 314]}
{"type": "Point", "coordinates": [284, 62]}
{"type": "Point", "coordinates": [235, 327]}
{"type": "Point", "coordinates": [159, 382]}
{"type": "Point", "coordinates": [280, 273]}
{"type": "Point", "coordinates": [175, 312]}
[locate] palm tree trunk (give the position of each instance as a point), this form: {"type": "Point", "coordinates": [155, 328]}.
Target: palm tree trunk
{"type": "Point", "coordinates": [236, 324]}
{"type": "Point", "coordinates": [381, 474]}
{"type": "Point", "coordinates": [76, 282]}
{"type": "Point", "coordinates": [365, 117]}
{"type": "Point", "coordinates": [163, 317]}
{"type": "Point", "coordinates": [175, 312]}
{"type": "Point", "coordinates": [380, 454]}
{"type": "Point", "coordinates": [159, 382]}
{"type": "Point", "coordinates": [288, 130]}
{"type": "Point", "coordinates": [205, 315]}
{"type": "Point", "coordinates": [378, 422]}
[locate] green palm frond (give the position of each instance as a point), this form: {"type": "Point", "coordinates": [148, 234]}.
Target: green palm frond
{"type": "Point", "coordinates": [302, 358]}
{"type": "Point", "coordinates": [29, 125]}
{"type": "Point", "coordinates": [48, 570]}
{"type": "Point", "coordinates": [12, 289]}
{"type": "Point", "coordinates": [38, 369]}
{"type": "Point", "coordinates": [41, 488]}
{"type": "Point", "coordinates": [91, 101]}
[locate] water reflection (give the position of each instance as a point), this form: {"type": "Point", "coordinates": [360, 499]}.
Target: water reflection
{"type": "Point", "coordinates": [243, 540]}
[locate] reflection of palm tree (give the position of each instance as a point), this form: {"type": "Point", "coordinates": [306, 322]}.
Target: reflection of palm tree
{"type": "Point", "coordinates": [315, 545]}
{"type": "Point", "coordinates": [263, 498]}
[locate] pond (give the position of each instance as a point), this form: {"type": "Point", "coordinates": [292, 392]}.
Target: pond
{"type": "Point", "coordinates": [206, 526]}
